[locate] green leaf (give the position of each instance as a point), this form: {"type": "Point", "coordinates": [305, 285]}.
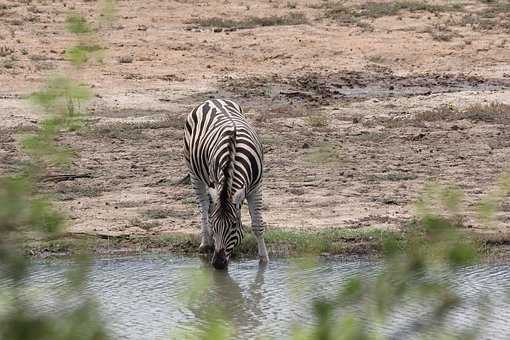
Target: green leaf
{"type": "Point", "coordinates": [76, 23]}
{"type": "Point", "coordinates": [462, 254]}
{"type": "Point", "coordinates": [77, 55]}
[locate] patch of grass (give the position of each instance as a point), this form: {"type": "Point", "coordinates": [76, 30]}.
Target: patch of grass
{"type": "Point", "coordinates": [495, 8]}
{"type": "Point", "coordinates": [393, 123]}
{"type": "Point", "coordinates": [491, 113]}
{"type": "Point", "coordinates": [341, 13]}
{"type": "Point", "coordinates": [325, 153]}
{"type": "Point", "coordinates": [63, 245]}
{"type": "Point", "coordinates": [444, 112]}
{"type": "Point", "coordinates": [252, 21]}
{"type": "Point", "coordinates": [126, 59]}
{"type": "Point", "coordinates": [132, 131]}
{"type": "Point", "coordinates": [6, 51]}
{"type": "Point", "coordinates": [496, 15]}
{"type": "Point", "coordinates": [345, 14]}
{"type": "Point", "coordinates": [285, 242]}
{"type": "Point", "coordinates": [156, 213]}
{"type": "Point", "coordinates": [371, 136]}
{"type": "Point", "coordinates": [440, 33]}
{"type": "Point", "coordinates": [161, 213]}
{"type": "Point", "coordinates": [66, 192]}
{"type": "Point", "coordinates": [317, 121]}
{"type": "Point", "coordinates": [76, 23]}
{"type": "Point", "coordinates": [376, 59]}
{"type": "Point", "coordinates": [381, 9]}
{"type": "Point", "coordinates": [397, 176]}
{"type": "Point", "coordinates": [120, 131]}
{"type": "Point", "coordinates": [280, 242]}
{"type": "Point", "coordinates": [291, 4]}
{"type": "Point", "coordinates": [145, 225]}
{"type": "Point", "coordinates": [9, 62]}
{"type": "Point", "coordinates": [182, 243]}
{"type": "Point", "coordinates": [494, 112]}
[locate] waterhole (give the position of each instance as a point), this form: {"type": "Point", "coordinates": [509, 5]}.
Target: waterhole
{"type": "Point", "coordinates": [142, 297]}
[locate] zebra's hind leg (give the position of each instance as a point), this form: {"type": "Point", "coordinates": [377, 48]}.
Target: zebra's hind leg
{"type": "Point", "coordinates": [257, 223]}
{"type": "Point", "coordinates": [200, 188]}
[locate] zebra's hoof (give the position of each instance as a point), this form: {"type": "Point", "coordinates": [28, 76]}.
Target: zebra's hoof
{"type": "Point", "coordinates": [205, 249]}
{"type": "Point", "coordinates": [263, 260]}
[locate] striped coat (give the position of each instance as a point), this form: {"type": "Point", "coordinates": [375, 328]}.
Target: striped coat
{"type": "Point", "coordinates": [224, 157]}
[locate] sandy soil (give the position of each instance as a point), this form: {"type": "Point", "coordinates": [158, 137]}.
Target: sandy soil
{"type": "Point", "coordinates": [352, 115]}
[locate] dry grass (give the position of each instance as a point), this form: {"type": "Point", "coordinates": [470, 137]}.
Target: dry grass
{"type": "Point", "coordinates": [119, 131]}
{"type": "Point", "coordinates": [340, 12]}
{"type": "Point", "coordinates": [444, 112]}
{"type": "Point", "coordinates": [6, 51]}
{"type": "Point", "coordinates": [66, 192]}
{"type": "Point", "coordinates": [495, 16]}
{"type": "Point", "coordinates": [490, 113]}
{"type": "Point", "coordinates": [126, 59]}
{"type": "Point", "coordinates": [494, 112]}
{"type": "Point", "coordinates": [133, 131]}
{"type": "Point", "coordinates": [323, 154]}
{"type": "Point", "coordinates": [155, 214]}
{"type": "Point", "coordinates": [161, 213]}
{"type": "Point", "coordinates": [440, 33]}
{"type": "Point", "coordinates": [145, 225]}
{"type": "Point", "coordinates": [317, 121]}
{"type": "Point", "coordinates": [252, 21]}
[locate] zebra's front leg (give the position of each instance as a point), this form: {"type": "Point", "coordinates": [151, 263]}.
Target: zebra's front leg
{"type": "Point", "coordinates": [200, 188]}
{"type": "Point", "coordinates": [257, 223]}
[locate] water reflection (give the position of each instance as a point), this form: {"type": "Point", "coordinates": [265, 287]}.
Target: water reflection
{"type": "Point", "coordinates": [242, 307]}
{"type": "Point", "coordinates": [141, 297]}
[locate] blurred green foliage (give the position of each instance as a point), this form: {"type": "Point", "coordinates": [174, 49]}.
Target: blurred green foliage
{"type": "Point", "coordinates": [62, 101]}
{"type": "Point", "coordinates": [23, 209]}
{"type": "Point", "coordinates": [416, 269]}
{"type": "Point", "coordinates": [432, 244]}
{"type": "Point", "coordinates": [108, 10]}
{"type": "Point", "coordinates": [75, 23]}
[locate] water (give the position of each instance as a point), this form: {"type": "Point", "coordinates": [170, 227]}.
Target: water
{"type": "Point", "coordinates": [142, 297]}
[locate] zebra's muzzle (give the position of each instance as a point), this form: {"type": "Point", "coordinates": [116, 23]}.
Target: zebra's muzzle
{"type": "Point", "coordinates": [220, 260]}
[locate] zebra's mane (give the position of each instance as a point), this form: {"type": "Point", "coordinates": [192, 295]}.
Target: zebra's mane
{"type": "Point", "coordinates": [228, 169]}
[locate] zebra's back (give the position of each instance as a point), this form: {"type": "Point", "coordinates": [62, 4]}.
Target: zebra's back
{"type": "Point", "coordinates": [214, 130]}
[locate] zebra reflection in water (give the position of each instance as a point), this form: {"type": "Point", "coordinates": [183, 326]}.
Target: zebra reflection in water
{"type": "Point", "coordinates": [225, 295]}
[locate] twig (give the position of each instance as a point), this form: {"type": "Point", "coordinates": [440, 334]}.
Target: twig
{"type": "Point", "coordinates": [65, 177]}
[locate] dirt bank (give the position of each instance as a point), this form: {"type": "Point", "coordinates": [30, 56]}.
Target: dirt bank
{"type": "Point", "coordinates": [358, 106]}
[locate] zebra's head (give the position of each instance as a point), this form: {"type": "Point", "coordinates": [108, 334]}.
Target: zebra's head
{"type": "Point", "coordinates": [226, 226]}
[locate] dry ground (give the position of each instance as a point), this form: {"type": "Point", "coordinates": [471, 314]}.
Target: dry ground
{"type": "Point", "coordinates": [358, 105]}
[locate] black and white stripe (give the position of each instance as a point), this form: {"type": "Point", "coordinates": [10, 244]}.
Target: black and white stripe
{"type": "Point", "coordinates": [224, 157]}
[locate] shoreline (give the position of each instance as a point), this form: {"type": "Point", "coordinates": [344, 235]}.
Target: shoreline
{"type": "Point", "coordinates": [281, 243]}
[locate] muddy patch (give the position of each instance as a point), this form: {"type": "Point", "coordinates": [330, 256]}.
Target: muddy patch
{"type": "Point", "coordinates": [326, 88]}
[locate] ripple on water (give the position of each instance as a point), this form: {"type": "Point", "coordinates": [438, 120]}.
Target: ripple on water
{"type": "Point", "coordinates": [141, 297]}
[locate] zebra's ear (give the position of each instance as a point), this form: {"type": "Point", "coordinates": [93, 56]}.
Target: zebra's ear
{"type": "Point", "coordinates": [239, 197]}
{"type": "Point", "coordinates": [214, 194]}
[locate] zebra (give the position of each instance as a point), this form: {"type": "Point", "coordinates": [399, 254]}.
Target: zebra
{"type": "Point", "coordinates": [224, 157]}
